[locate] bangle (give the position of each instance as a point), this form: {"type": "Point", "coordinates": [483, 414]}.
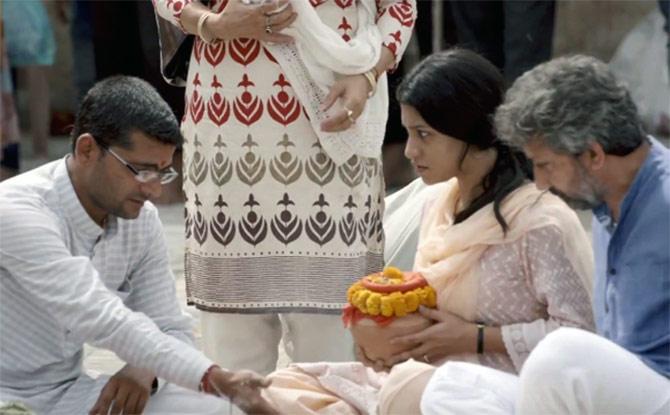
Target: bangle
{"type": "Point", "coordinates": [480, 338]}
{"type": "Point", "coordinates": [200, 27]}
{"type": "Point", "coordinates": [205, 386]}
{"type": "Point", "coordinates": [371, 77]}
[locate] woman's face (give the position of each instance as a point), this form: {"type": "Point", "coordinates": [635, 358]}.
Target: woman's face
{"type": "Point", "coordinates": [435, 156]}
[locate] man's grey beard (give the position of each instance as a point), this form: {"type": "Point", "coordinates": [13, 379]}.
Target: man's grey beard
{"type": "Point", "coordinates": [577, 203]}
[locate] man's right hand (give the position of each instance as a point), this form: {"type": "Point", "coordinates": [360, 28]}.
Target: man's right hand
{"type": "Point", "coordinates": [126, 392]}
{"type": "Point", "coordinates": [243, 388]}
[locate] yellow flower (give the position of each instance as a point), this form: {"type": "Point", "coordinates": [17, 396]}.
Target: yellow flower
{"type": "Point", "coordinates": [432, 298]}
{"type": "Point", "coordinates": [412, 300]}
{"type": "Point", "coordinates": [393, 273]}
{"type": "Point", "coordinates": [355, 287]}
{"type": "Point", "coordinates": [394, 304]}
{"type": "Point", "coordinates": [373, 304]}
{"type": "Point", "coordinates": [360, 298]}
{"type": "Point", "coordinates": [387, 306]}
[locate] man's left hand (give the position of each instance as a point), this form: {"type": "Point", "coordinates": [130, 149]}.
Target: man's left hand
{"type": "Point", "coordinates": [127, 392]}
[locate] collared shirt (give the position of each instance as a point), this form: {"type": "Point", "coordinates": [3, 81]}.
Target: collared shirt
{"type": "Point", "coordinates": [65, 281]}
{"type": "Point", "coordinates": [632, 283]}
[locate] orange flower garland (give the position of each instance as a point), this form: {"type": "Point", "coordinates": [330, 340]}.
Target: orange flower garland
{"type": "Point", "coordinates": [388, 294]}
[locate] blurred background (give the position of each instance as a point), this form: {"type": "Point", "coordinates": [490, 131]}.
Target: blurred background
{"type": "Point", "coordinates": [54, 50]}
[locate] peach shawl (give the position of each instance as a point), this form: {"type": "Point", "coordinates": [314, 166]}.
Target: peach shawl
{"type": "Point", "coordinates": [348, 388]}
{"type": "Point", "coordinates": [448, 253]}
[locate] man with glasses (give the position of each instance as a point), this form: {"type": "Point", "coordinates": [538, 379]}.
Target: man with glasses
{"type": "Point", "coordinates": [83, 259]}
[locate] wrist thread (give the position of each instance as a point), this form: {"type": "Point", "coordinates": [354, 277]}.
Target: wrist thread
{"type": "Point", "coordinates": [205, 385]}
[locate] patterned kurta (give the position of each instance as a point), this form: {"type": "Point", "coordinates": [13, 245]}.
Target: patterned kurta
{"type": "Point", "coordinates": [272, 223]}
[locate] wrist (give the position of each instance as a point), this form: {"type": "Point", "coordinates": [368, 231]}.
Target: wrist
{"type": "Point", "coordinates": [203, 27]}
{"type": "Point", "coordinates": [207, 382]}
{"type": "Point", "coordinates": [371, 77]}
{"type": "Point", "coordinates": [225, 24]}
{"type": "Point", "coordinates": [144, 377]}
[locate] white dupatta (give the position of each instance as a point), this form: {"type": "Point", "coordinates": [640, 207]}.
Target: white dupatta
{"type": "Point", "coordinates": [317, 58]}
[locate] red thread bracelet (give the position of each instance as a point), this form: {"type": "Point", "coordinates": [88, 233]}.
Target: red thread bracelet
{"type": "Point", "coordinates": [205, 386]}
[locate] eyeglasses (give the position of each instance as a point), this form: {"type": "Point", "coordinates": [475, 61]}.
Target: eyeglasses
{"type": "Point", "coordinates": [147, 176]}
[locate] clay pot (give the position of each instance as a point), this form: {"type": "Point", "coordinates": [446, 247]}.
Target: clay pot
{"type": "Point", "coordinates": [374, 339]}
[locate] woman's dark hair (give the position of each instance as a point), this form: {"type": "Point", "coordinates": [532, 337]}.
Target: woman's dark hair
{"type": "Point", "coordinates": [456, 92]}
{"type": "Point", "coordinates": [119, 105]}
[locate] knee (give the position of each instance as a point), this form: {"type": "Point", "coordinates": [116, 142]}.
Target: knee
{"type": "Point", "coordinates": [558, 353]}
{"type": "Point", "coordinates": [402, 390]}
{"type": "Point", "coordinates": [467, 388]}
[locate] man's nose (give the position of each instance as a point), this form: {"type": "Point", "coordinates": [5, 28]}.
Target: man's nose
{"type": "Point", "coordinates": [152, 190]}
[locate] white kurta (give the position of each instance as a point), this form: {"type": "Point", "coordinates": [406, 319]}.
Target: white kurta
{"type": "Point", "coordinates": [65, 281]}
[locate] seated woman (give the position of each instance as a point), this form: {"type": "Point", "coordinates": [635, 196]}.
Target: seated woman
{"type": "Point", "coordinates": [509, 263]}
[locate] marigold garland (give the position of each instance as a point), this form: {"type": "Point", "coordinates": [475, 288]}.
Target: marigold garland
{"type": "Point", "coordinates": [393, 304]}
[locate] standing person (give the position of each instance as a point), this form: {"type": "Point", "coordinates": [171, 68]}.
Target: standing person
{"type": "Point", "coordinates": [279, 220]}
{"type": "Point", "coordinates": [515, 35]}
{"type": "Point", "coordinates": [31, 49]}
{"type": "Point", "coordinates": [9, 123]}
{"type": "Point", "coordinates": [582, 131]}
{"type": "Point", "coordinates": [83, 260]}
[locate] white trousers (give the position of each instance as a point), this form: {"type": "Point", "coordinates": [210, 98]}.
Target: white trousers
{"type": "Point", "coordinates": [170, 399]}
{"type": "Point", "coordinates": [468, 388]}
{"type": "Point", "coordinates": [250, 341]}
{"type": "Point", "coordinates": [570, 371]}
{"type": "Point", "coordinates": [175, 400]}
{"type": "Point", "coordinates": [573, 371]}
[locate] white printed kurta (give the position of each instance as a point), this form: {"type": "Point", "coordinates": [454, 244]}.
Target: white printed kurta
{"type": "Point", "coordinates": [65, 281]}
{"type": "Point", "coordinates": [272, 223]}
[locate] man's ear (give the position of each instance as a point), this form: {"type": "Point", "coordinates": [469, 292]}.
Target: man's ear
{"type": "Point", "coordinates": [594, 157]}
{"type": "Point", "coordinates": [86, 149]}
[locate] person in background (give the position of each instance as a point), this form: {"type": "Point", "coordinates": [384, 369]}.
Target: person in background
{"type": "Point", "coordinates": [515, 35]}
{"type": "Point", "coordinates": [31, 49]}
{"type": "Point", "coordinates": [9, 123]}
